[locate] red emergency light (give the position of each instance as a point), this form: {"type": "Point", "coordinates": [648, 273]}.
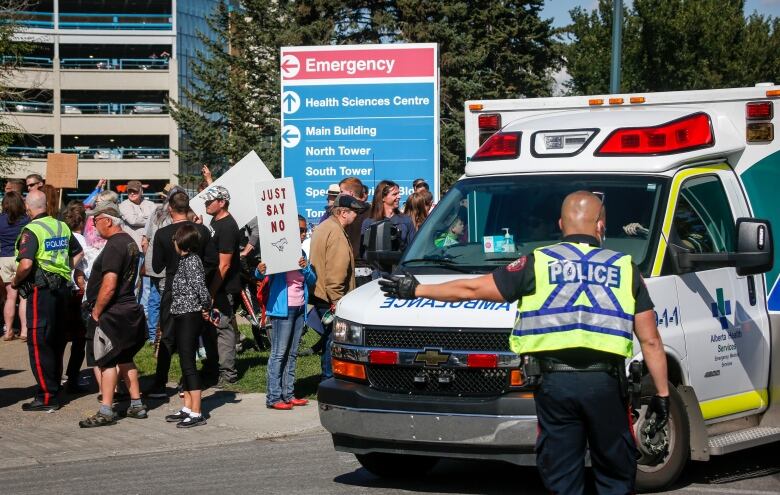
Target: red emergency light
{"type": "Point", "coordinates": [383, 357]}
{"type": "Point", "coordinates": [489, 122]}
{"type": "Point", "coordinates": [482, 360]}
{"type": "Point", "coordinates": [499, 146]}
{"type": "Point", "coordinates": [759, 110]}
{"type": "Point", "coordinates": [685, 134]}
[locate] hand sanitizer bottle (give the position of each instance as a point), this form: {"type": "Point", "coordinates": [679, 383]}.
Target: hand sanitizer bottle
{"type": "Point", "coordinates": [509, 241]}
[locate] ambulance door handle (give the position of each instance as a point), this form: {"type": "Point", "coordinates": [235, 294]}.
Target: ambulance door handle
{"type": "Point", "coordinates": [751, 290]}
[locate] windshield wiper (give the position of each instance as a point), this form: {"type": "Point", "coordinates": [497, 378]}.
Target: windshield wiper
{"type": "Point", "coordinates": [441, 261]}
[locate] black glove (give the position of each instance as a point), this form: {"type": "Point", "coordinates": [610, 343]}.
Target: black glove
{"type": "Point", "coordinates": [659, 406]}
{"type": "Point", "coordinates": [399, 286]}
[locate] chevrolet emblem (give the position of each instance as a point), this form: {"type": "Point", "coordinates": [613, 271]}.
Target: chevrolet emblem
{"type": "Point", "coordinates": [432, 357]}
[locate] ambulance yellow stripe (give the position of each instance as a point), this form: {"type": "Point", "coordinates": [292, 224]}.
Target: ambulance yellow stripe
{"type": "Point", "coordinates": [671, 206]}
{"type": "Point", "coordinates": [733, 404]}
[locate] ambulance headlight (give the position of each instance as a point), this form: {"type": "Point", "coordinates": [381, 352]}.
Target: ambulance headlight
{"type": "Point", "coordinates": [346, 332]}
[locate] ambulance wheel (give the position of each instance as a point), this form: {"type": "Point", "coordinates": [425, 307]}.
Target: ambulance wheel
{"type": "Point", "coordinates": [656, 474]}
{"type": "Point", "coordinates": [396, 465]}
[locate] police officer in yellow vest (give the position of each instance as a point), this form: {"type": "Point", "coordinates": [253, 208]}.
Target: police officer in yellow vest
{"type": "Point", "coordinates": [579, 306]}
{"type": "Point", "coordinates": [46, 250]}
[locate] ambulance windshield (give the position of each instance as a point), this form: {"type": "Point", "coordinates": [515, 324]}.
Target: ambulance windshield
{"type": "Point", "coordinates": [483, 223]}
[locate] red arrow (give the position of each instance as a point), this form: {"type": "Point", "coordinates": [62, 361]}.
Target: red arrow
{"type": "Point", "coordinates": [287, 65]}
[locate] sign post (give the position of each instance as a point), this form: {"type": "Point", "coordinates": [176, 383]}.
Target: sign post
{"type": "Point", "coordinates": [365, 111]}
{"type": "Point", "coordinates": [277, 222]}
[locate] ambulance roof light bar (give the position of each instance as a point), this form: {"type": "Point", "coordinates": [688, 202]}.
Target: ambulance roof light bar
{"type": "Point", "coordinates": [688, 133]}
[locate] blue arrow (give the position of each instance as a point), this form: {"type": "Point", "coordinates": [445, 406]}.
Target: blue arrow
{"type": "Point", "coordinates": [289, 100]}
{"type": "Point", "coordinates": [288, 137]}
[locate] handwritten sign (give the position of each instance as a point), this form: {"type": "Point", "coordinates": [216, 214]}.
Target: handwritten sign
{"type": "Point", "coordinates": [239, 181]}
{"type": "Point", "coordinates": [62, 170]}
{"type": "Point", "coordinates": [277, 221]}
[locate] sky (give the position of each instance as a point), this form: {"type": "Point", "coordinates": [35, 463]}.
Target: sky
{"type": "Point", "coordinates": [559, 9]}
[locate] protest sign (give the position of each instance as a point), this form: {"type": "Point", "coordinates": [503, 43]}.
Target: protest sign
{"type": "Point", "coordinates": [239, 180]}
{"type": "Point", "coordinates": [277, 221]}
{"type": "Point", "coordinates": [62, 170]}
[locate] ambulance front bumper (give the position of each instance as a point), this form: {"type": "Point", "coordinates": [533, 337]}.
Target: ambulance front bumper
{"type": "Point", "coordinates": [362, 420]}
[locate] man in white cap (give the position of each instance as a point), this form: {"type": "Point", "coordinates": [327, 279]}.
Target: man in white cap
{"type": "Point", "coordinates": [225, 283]}
{"type": "Point", "coordinates": [333, 191]}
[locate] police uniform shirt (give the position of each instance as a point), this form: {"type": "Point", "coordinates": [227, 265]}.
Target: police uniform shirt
{"type": "Point", "coordinates": [518, 279]}
{"type": "Point", "coordinates": [28, 245]}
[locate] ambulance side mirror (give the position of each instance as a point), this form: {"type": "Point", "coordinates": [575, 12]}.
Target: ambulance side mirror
{"type": "Point", "coordinates": [755, 250]}
{"type": "Point", "coordinates": [754, 254]}
{"type": "Point", "coordinates": [382, 245]}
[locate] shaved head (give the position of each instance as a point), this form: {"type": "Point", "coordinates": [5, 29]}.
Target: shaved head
{"type": "Point", "coordinates": [583, 213]}
{"type": "Point", "coordinates": [36, 202]}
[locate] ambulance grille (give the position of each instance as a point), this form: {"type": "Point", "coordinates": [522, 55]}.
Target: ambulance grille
{"type": "Point", "coordinates": [460, 381]}
{"type": "Point", "coordinates": [451, 339]}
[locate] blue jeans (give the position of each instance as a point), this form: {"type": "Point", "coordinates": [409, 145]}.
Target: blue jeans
{"type": "Point", "coordinates": [285, 337]}
{"type": "Point", "coordinates": [153, 306]}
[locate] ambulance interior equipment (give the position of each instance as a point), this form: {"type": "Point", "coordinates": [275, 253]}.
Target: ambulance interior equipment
{"type": "Point", "coordinates": [689, 181]}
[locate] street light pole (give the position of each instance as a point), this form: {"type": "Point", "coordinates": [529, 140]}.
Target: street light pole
{"type": "Point", "coordinates": [617, 35]}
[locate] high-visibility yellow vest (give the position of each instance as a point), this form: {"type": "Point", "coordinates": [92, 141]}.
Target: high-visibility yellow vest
{"type": "Point", "coordinates": [53, 245]}
{"type": "Point", "coordinates": [583, 298]}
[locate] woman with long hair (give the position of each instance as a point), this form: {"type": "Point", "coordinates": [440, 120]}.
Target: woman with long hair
{"type": "Point", "coordinates": [384, 206]}
{"type": "Point", "coordinates": [416, 208]}
{"type": "Point", "coordinates": [12, 220]}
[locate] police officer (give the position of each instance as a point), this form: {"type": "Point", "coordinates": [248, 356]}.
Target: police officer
{"type": "Point", "coordinates": [46, 250]}
{"type": "Point", "coordinates": [577, 307]}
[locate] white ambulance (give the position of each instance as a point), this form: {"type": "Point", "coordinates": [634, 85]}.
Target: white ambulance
{"type": "Point", "coordinates": [691, 182]}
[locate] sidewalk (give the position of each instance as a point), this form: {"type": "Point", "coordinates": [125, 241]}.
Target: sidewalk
{"type": "Point", "coordinates": [29, 438]}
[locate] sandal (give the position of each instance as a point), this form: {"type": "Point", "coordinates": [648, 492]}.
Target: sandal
{"type": "Point", "coordinates": [9, 336]}
{"type": "Point", "coordinates": [23, 338]}
{"type": "Point", "coordinates": [98, 420]}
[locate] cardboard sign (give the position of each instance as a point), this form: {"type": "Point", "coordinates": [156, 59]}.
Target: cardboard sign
{"type": "Point", "coordinates": [239, 180]}
{"type": "Point", "coordinates": [62, 170]}
{"type": "Point", "coordinates": [277, 221]}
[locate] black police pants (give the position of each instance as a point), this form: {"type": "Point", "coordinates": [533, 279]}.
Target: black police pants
{"type": "Point", "coordinates": [577, 410]}
{"type": "Point", "coordinates": [46, 340]}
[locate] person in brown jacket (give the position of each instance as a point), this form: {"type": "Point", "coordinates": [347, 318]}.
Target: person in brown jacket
{"type": "Point", "coordinates": [334, 262]}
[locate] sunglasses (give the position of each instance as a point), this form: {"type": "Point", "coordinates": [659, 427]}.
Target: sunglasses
{"type": "Point", "coordinates": [95, 220]}
{"type": "Point", "coordinates": [33, 184]}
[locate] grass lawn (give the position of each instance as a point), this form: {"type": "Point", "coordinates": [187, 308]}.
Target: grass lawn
{"type": "Point", "coordinates": [251, 366]}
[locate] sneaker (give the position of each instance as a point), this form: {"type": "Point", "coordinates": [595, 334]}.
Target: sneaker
{"type": "Point", "coordinates": [137, 412]}
{"type": "Point", "coordinates": [280, 406]}
{"type": "Point", "coordinates": [98, 419]}
{"type": "Point", "coordinates": [156, 393]}
{"type": "Point", "coordinates": [298, 402]}
{"type": "Point", "coordinates": [37, 405]}
{"type": "Point", "coordinates": [175, 418]}
{"type": "Point", "coordinates": [191, 421]}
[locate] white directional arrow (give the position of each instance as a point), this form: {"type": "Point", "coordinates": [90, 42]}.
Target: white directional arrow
{"type": "Point", "coordinates": [290, 65]}
{"type": "Point", "coordinates": [291, 102]}
{"type": "Point", "coordinates": [291, 136]}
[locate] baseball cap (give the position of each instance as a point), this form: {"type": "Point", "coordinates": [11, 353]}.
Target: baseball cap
{"type": "Point", "coordinates": [134, 185]}
{"type": "Point", "coordinates": [347, 201]}
{"type": "Point", "coordinates": [173, 190]}
{"type": "Point", "coordinates": [334, 189]}
{"type": "Point", "coordinates": [216, 192]}
{"type": "Point", "coordinates": [105, 208]}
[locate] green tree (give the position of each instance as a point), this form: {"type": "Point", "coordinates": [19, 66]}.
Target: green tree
{"type": "Point", "coordinates": [233, 106]}
{"type": "Point", "coordinates": [671, 45]}
{"type": "Point", "coordinates": [10, 51]}
{"type": "Point", "coordinates": [487, 49]}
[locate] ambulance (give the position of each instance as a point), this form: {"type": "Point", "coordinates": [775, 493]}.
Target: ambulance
{"type": "Point", "coordinates": [691, 185]}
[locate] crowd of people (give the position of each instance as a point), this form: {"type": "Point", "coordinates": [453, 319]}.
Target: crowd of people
{"type": "Point", "coordinates": [110, 277]}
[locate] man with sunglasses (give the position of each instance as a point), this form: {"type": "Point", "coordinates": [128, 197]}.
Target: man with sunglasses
{"type": "Point", "coordinates": [46, 251]}
{"type": "Point", "coordinates": [34, 182]}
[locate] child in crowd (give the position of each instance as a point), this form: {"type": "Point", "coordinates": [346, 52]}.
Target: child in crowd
{"type": "Point", "coordinates": [190, 302]}
{"type": "Point", "coordinates": [287, 299]}
{"type": "Point", "coordinates": [451, 236]}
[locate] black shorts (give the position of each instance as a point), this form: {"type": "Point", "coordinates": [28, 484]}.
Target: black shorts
{"type": "Point", "coordinates": [124, 357]}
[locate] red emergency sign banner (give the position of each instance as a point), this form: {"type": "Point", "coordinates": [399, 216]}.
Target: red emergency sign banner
{"type": "Point", "coordinates": [358, 64]}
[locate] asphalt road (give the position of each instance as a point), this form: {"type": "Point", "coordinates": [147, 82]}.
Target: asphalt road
{"type": "Point", "coordinates": [308, 464]}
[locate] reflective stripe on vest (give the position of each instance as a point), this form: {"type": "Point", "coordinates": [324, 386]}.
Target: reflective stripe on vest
{"type": "Point", "coordinates": [53, 245]}
{"type": "Point", "coordinates": [583, 298]}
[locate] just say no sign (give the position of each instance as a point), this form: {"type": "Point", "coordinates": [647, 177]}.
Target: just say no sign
{"type": "Point", "coordinates": [277, 220]}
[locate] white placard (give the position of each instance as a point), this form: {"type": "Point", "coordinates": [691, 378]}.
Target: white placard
{"type": "Point", "coordinates": [239, 180]}
{"type": "Point", "coordinates": [277, 221]}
